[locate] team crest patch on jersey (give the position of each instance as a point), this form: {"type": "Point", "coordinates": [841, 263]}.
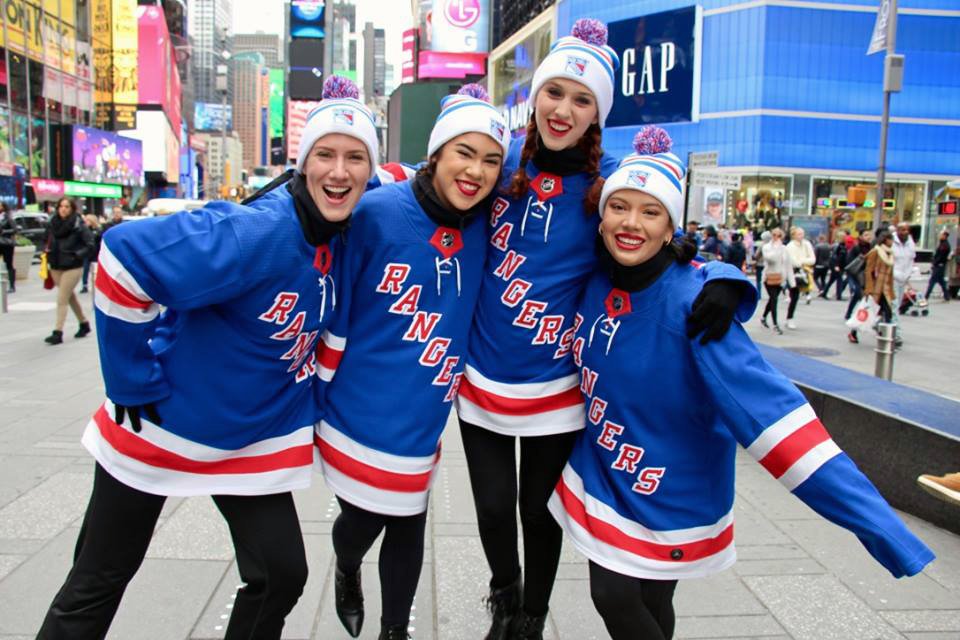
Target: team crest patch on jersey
{"type": "Point", "coordinates": [343, 116]}
{"type": "Point", "coordinates": [637, 178]}
{"type": "Point", "coordinates": [576, 66]}
{"type": "Point", "coordinates": [447, 241]}
{"type": "Point", "coordinates": [547, 185]}
{"type": "Point", "coordinates": [496, 130]}
{"type": "Point", "coordinates": [617, 303]}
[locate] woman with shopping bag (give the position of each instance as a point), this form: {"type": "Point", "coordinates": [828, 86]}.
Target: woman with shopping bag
{"type": "Point", "coordinates": [878, 287]}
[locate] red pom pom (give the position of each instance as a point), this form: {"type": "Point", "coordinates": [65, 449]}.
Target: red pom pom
{"type": "Point", "coordinates": [591, 31]}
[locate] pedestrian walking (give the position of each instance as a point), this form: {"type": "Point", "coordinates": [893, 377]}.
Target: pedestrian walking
{"type": "Point", "coordinates": [802, 259]}
{"type": "Point", "coordinates": [778, 274]}
{"type": "Point", "coordinates": [69, 243]}
{"type": "Point", "coordinates": [519, 379]}
{"type": "Point", "coordinates": [765, 237]}
{"type": "Point", "coordinates": [879, 277]}
{"type": "Point", "coordinates": [904, 255]}
{"type": "Point", "coordinates": [217, 395]}
{"type": "Point", "coordinates": [632, 497]}
{"type": "Point", "coordinates": [8, 242]}
{"type": "Point", "coordinates": [410, 284]}
{"type": "Point", "coordinates": [855, 274]}
{"type": "Point", "coordinates": [821, 267]}
{"type": "Point", "coordinates": [711, 244]}
{"type": "Point", "coordinates": [93, 223]}
{"type": "Point", "coordinates": [736, 253]}
{"type": "Point", "coordinates": [938, 266]}
{"type": "Point", "coordinates": [838, 260]}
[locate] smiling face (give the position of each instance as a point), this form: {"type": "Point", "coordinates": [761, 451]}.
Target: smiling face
{"type": "Point", "coordinates": [336, 170]}
{"type": "Point", "coordinates": [467, 170]}
{"type": "Point", "coordinates": [635, 226]}
{"type": "Point", "coordinates": [564, 110]}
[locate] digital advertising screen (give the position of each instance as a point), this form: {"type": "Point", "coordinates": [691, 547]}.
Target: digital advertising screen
{"type": "Point", "coordinates": [306, 70]}
{"type": "Point", "coordinates": [208, 116]}
{"type": "Point", "coordinates": [106, 157]}
{"type": "Point", "coordinates": [306, 19]}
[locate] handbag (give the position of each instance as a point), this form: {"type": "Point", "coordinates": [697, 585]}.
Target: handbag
{"type": "Point", "coordinates": [45, 274]}
{"type": "Point", "coordinates": [864, 315]}
{"type": "Point", "coordinates": [774, 279]}
{"type": "Point", "coordinates": [856, 266]}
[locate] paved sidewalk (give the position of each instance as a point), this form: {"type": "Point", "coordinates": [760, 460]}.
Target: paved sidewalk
{"type": "Point", "coordinates": [798, 577]}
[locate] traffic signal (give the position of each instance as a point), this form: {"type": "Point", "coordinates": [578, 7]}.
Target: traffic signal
{"type": "Point", "coordinates": [948, 208]}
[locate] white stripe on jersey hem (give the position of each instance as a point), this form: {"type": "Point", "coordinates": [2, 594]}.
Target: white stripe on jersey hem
{"type": "Point", "coordinates": [128, 314]}
{"type": "Point", "coordinates": [521, 390]}
{"type": "Point", "coordinates": [325, 374]}
{"type": "Point", "coordinates": [391, 503]}
{"type": "Point", "coordinates": [374, 457]}
{"type": "Point", "coordinates": [181, 446]}
{"type": "Point", "coordinates": [539, 424]}
{"type": "Point", "coordinates": [119, 273]}
{"type": "Point", "coordinates": [629, 564]}
{"type": "Point", "coordinates": [807, 465]}
{"type": "Point", "coordinates": [334, 341]}
{"type": "Point", "coordinates": [165, 482]}
{"type": "Point", "coordinates": [603, 512]}
{"type": "Point", "coordinates": [782, 428]}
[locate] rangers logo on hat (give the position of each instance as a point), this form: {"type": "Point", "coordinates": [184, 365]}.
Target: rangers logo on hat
{"type": "Point", "coordinates": [496, 130]}
{"type": "Point", "coordinates": [576, 66]}
{"type": "Point", "coordinates": [638, 178]}
{"type": "Point", "coordinates": [343, 116]}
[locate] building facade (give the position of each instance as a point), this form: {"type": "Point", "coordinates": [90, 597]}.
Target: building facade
{"type": "Point", "coordinates": [374, 69]}
{"type": "Point", "coordinates": [266, 44]}
{"type": "Point", "coordinates": [209, 25]}
{"type": "Point", "coordinates": [251, 108]}
{"type": "Point", "coordinates": [221, 172]}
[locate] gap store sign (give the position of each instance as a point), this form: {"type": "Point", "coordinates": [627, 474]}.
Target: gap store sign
{"type": "Point", "coordinates": [659, 76]}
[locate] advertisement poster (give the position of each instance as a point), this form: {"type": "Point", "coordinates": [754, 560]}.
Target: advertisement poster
{"type": "Point", "coordinates": [713, 209]}
{"type": "Point", "coordinates": [208, 116]}
{"type": "Point", "coordinates": [306, 19]}
{"type": "Point", "coordinates": [276, 103]}
{"type": "Point", "coordinates": [513, 75]}
{"type": "Point", "coordinates": [659, 68]}
{"type": "Point", "coordinates": [457, 26]}
{"type": "Point", "coordinates": [125, 47]}
{"type": "Point", "coordinates": [104, 156]}
{"type": "Point", "coordinates": [296, 119]}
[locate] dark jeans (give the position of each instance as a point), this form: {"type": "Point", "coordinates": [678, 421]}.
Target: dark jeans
{"type": "Point", "coordinates": [758, 271]}
{"type": "Point", "coordinates": [86, 272]}
{"type": "Point", "coordinates": [773, 293]}
{"type": "Point", "coordinates": [820, 277]}
{"type": "Point", "coordinates": [856, 293]}
{"type": "Point", "coordinates": [838, 277]}
{"type": "Point", "coordinates": [794, 298]}
{"type": "Point", "coordinates": [113, 540]}
{"type": "Point", "coordinates": [936, 277]}
{"type": "Point", "coordinates": [7, 252]}
{"type": "Point", "coordinates": [491, 461]}
{"type": "Point", "coordinates": [631, 607]}
{"type": "Point", "coordinates": [401, 554]}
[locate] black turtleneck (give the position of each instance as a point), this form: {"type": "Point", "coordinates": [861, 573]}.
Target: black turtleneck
{"type": "Point", "coordinates": [429, 201]}
{"type": "Point", "coordinates": [316, 229]}
{"type": "Point", "coordinates": [637, 277]}
{"type": "Point", "coordinates": [564, 162]}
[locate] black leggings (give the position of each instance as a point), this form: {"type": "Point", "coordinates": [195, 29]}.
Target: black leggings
{"type": "Point", "coordinates": [773, 294]}
{"type": "Point", "coordinates": [401, 554]}
{"type": "Point", "coordinates": [491, 460]}
{"type": "Point", "coordinates": [7, 251]}
{"type": "Point", "coordinates": [633, 607]}
{"type": "Point", "coordinates": [794, 298]}
{"type": "Point", "coordinates": [113, 541]}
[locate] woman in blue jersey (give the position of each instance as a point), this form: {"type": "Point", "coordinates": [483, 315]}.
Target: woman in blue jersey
{"type": "Point", "coordinates": [410, 281]}
{"type": "Point", "coordinates": [214, 395]}
{"type": "Point", "coordinates": [647, 494]}
{"type": "Point", "coordinates": [519, 378]}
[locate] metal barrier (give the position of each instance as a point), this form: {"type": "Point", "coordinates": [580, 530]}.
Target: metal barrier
{"type": "Point", "coordinates": [3, 288]}
{"type": "Point", "coordinates": [883, 368]}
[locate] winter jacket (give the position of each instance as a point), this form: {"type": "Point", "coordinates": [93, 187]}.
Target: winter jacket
{"type": "Point", "coordinates": [904, 253]}
{"type": "Point", "coordinates": [69, 241]}
{"type": "Point", "coordinates": [776, 259]}
{"type": "Point", "coordinates": [942, 254]}
{"type": "Point", "coordinates": [879, 276]}
{"type": "Point", "coordinates": [8, 230]}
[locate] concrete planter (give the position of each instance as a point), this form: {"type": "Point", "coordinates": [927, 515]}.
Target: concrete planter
{"type": "Point", "coordinates": [22, 257]}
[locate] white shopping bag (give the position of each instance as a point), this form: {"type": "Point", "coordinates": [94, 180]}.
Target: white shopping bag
{"type": "Point", "coordinates": [864, 315]}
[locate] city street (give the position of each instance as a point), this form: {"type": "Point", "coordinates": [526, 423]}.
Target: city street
{"type": "Point", "coordinates": [797, 577]}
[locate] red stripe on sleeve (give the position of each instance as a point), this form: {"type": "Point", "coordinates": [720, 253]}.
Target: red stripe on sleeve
{"type": "Point", "coordinates": [395, 170]}
{"type": "Point", "coordinates": [327, 356]}
{"type": "Point", "coordinates": [117, 293]}
{"type": "Point", "coordinates": [793, 447]}
{"type": "Point", "coordinates": [519, 406]}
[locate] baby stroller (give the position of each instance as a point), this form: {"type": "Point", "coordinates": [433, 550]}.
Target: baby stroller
{"type": "Point", "coordinates": [913, 302]}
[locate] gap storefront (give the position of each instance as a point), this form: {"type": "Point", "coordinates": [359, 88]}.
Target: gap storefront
{"type": "Point", "coordinates": [785, 94]}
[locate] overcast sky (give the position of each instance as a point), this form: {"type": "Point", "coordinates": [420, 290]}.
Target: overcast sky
{"type": "Point", "coordinates": [250, 16]}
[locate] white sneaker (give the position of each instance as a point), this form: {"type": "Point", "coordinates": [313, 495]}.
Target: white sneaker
{"type": "Point", "coordinates": [791, 324]}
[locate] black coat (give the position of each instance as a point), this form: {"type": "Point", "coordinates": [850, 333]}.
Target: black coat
{"type": "Point", "coordinates": [942, 254]}
{"type": "Point", "coordinates": [8, 230]}
{"type": "Point", "coordinates": [69, 242]}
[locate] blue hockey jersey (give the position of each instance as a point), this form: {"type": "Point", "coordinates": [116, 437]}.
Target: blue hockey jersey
{"type": "Point", "coordinates": [519, 378]}
{"type": "Point", "coordinates": [409, 288]}
{"type": "Point", "coordinates": [649, 487]}
{"type": "Point", "coordinates": [214, 316]}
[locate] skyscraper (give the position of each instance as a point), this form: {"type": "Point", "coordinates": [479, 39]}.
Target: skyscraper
{"type": "Point", "coordinates": [251, 99]}
{"type": "Point", "coordinates": [374, 70]}
{"type": "Point", "coordinates": [266, 44]}
{"type": "Point", "coordinates": [210, 24]}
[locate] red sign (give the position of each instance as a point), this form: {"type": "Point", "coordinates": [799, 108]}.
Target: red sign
{"type": "Point", "coordinates": [47, 188]}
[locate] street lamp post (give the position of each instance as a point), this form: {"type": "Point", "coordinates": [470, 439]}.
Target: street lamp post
{"type": "Point", "coordinates": [222, 71]}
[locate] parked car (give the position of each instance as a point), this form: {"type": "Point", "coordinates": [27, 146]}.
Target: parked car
{"type": "Point", "coordinates": [33, 225]}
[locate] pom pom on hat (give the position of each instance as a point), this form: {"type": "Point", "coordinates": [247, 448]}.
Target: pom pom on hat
{"type": "Point", "coordinates": [340, 87]}
{"type": "Point", "coordinates": [474, 90]}
{"type": "Point", "coordinates": [591, 31]}
{"type": "Point", "coordinates": [650, 140]}
{"type": "Point", "coordinates": [468, 111]}
{"type": "Point", "coordinates": [583, 57]}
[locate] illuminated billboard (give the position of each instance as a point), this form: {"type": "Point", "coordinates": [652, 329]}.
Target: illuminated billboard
{"type": "Point", "coordinates": [276, 103]}
{"type": "Point", "coordinates": [296, 119]}
{"type": "Point", "coordinates": [455, 26]}
{"type": "Point", "coordinates": [306, 19]}
{"type": "Point", "coordinates": [208, 116]}
{"type": "Point", "coordinates": [106, 157]}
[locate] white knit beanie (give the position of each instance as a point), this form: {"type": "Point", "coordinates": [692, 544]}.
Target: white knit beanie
{"type": "Point", "coordinates": [340, 112]}
{"type": "Point", "coordinates": [468, 111]}
{"type": "Point", "coordinates": [653, 170]}
{"type": "Point", "coordinates": [583, 57]}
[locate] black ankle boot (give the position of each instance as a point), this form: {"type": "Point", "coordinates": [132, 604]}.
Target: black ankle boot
{"type": "Point", "coordinates": [83, 330]}
{"type": "Point", "coordinates": [529, 627]}
{"type": "Point", "coordinates": [394, 632]}
{"type": "Point", "coordinates": [54, 338]}
{"type": "Point", "coordinates": [504, 605]}
{"type": "Point", "coordinates": [13, 281]}
{"type": "Point", "coordinates": [348, 596]}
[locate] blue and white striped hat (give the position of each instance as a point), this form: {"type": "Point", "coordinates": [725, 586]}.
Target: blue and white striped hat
{"type": "Point", "coordinates": [468, 111]}
{"type": "Point", "coordinates": [583, 57]}
{"type": "Point", "coordinates": [653, 170]}
{"type": "Point", "coordinates": [340, 112]}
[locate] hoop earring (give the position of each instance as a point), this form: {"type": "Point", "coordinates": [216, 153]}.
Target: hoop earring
{"type": "Point", "coordinates": [600, 228]}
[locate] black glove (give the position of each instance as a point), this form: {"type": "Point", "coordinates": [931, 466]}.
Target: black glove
{"type": "Point", "coordinates": [134, 412]}
{"type": "Point", "coordinates": [713, 310]}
